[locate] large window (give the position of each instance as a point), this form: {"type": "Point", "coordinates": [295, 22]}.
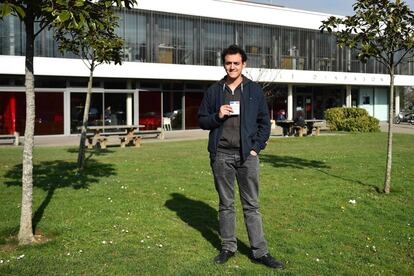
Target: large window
{"type": "Point", "coordinates": [150, 109]}
{"type": "Point", "coordinates": [49, 113]}
{"type": "Point", "coordinates": [45, 45]}
{"type": "Point", "coordinates": [323, 60]}
{"type": "Point", "coordinates": [257, 42]}
{"type": "Point", "coordinates": [133, 27]}
{"type": "Point", "coordinates": [105, 109]}
{"type": "Point", "coordinates": [77, 107]}
{"type": "Point", "coordinates": [192, 104]}
{"type": "Point", "coordinates": [173, 109]}
{"type": "Point", "coordinates": [184, 41]}
{"type": "Point", "coordinates": [215, 36]}
{"type": "Point", "coordinates": [11, 36]}
{"type": "Point", "coordinates": [48, 116]}
{"type": "Point", "coordinates": [115, 108]}
{"type": "Point", "coordinates": [12, 112]}
{"type": "Point", "coordinates": [164, 48]}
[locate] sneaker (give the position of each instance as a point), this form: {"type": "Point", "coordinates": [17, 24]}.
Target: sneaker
{"type": "Point", "coordinates": [269, 261]}
{"type": "Point", "coordinates": [223, 257]}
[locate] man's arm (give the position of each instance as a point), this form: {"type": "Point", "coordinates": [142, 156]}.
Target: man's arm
{"type": "Point", "coordinates": [207, 117]}
{"type": "Point", "coordinates": [263, 126]}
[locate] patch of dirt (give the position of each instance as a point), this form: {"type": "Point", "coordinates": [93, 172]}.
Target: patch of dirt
{"type": "Point", "coordinates": [12, 242]}
{"type": "Point", "coordinates": [40, 238]}
{"type": "Point", "coordinates": [8, 247]}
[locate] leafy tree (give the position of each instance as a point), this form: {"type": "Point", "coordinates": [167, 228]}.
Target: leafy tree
{"type": "Point", "coordinates": [383, 30]}
{"type": "Point", "coordinates": [43, 13]}
{"type": "Point", "coordinates": [95, 43]}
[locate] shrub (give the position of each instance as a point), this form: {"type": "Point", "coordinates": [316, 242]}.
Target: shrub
{"type": "Point", "coordinates": [351, 119]}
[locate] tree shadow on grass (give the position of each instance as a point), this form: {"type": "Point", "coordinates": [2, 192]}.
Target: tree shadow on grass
{"type": "Point", "coordinates": [300, 163]}
{"type": "Point", "coordinates": [372, 187]}
{"type": "Point", "coordinates": [292, 162]}
{"type": "Point", "coordinates": [201, 217]}
{"type": "Point", "coordinates": [89, 153]}
{"type": "Point", "coordinates": [53, 175]}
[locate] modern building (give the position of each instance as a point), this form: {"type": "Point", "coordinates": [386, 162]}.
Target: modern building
{"type": "Point", "coordinates": [172, 54]}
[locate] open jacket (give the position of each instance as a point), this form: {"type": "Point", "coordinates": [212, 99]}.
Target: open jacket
{"type": "Point", "coordinates": [254, 120]}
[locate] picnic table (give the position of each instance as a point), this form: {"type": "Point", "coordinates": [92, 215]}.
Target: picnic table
{"type": "Point", "coordinates": [125, 133]}
{"type": "Point", "coordinates": [313, 124]}
{"type": "Point", "coordinates": [287, 126]}
{"type": "Point", "coordinates": [310, 125]}
{"type": "Point", "coordinates": [10, 138]}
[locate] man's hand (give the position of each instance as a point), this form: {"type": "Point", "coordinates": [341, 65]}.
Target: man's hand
{"type": "Point", "coordinates": [225, 110]}
{"type": "Point", "coordinates": [253, 153]}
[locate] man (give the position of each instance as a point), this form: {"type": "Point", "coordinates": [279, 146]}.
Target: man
{"type": "Point", "coordinates": [235, 111]}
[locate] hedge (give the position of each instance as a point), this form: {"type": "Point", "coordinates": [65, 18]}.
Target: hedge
{"type": "Point", "coordinates": [351, 119]}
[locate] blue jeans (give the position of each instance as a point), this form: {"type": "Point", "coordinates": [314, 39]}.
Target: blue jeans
{"type": "Point", "coordinates": [226, 168]}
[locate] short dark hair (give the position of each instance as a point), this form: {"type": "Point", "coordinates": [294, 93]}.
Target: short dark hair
{"type": "Point", "coordinates": [232, 50]}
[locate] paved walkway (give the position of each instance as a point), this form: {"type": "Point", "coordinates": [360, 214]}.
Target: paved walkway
{"type": "Point", "coordinates": [182, 135]}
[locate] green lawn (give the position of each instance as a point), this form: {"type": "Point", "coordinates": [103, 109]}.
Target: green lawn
{"type": "Point", "coordinates": [152, 210]}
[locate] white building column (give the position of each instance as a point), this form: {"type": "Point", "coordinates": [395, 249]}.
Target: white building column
{"type": "Point", "coordinates": [348, 96]}
{"type": "Point", "coordinates": [129, 109]}
{"type": "Point", "coordinates": [129, 102]}
{"type": "Point", "coordinates": [66, 111]}
{"type": "Point", "coordinates": [136, 106]}
{"type": "Point", "coordinates": [397, 100]}
{"type": "Point", "coordinates": [290, 102]}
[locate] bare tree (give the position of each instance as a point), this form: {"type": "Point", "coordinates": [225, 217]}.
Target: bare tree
{"type": "Point", "coordinates": [266, 78]}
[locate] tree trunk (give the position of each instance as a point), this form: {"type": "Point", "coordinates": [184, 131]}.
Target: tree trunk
{"type": "Point", "coordinates": [26, 229]}
{"type": "Point", "coordinates": [81, 154]}
{"type": "Point", "coordinates": [387, 179]}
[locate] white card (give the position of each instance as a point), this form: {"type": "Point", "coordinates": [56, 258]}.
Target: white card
{"type": "Point", "coordinates": [235, 105]}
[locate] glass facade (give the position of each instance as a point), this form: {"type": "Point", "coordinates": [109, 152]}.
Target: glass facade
{"type": "Point", "coordinates": [156, 37]}
{"type": "Point", "coordinates": [179, 39]}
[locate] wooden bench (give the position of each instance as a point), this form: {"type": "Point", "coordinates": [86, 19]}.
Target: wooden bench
{"type": "Point", "coordinates": [314, 124]}
{"type": "Point", "coordinates": [298, 130]}
{"type": "Point", "coordinates": [158, 133]}
{"type": "Point", "coordinates": [100, 140]}
{"type": "Point", "coordinates": [310, 129]}
{"type": "Point", "coordinates": [317, 130]}
{"type": "Point", "coordinates": [100, 135]}
{"type": "Point", "coordinates": [128, 139]}
{"type": "Point", "coordinates": [11, 138]}
{"type": "Point", "coordinates": [89, 138]}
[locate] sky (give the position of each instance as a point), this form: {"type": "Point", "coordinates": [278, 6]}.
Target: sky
{"type": "Point", "coordinates": [336, 7]}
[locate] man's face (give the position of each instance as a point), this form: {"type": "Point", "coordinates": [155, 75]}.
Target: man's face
{"type": "Point", "coordinates": [234, 65]}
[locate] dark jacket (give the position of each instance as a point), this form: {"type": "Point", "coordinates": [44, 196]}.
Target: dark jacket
{"type": "Point", "coordinates": [254, 117]}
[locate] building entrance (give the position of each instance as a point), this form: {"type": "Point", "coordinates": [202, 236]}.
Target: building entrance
{"type": "Point", "coordinates": [304, 103]}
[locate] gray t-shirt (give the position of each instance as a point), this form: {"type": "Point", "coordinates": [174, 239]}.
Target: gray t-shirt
{"type": "Point", "coordinates": [230, 137]}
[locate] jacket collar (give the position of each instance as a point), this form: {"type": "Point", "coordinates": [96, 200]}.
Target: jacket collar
{"type": "Point", "coordinates": [244, 81]}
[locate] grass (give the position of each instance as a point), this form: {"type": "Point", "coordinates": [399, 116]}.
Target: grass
{"type": "Point", "coordinates": [152, 210]}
